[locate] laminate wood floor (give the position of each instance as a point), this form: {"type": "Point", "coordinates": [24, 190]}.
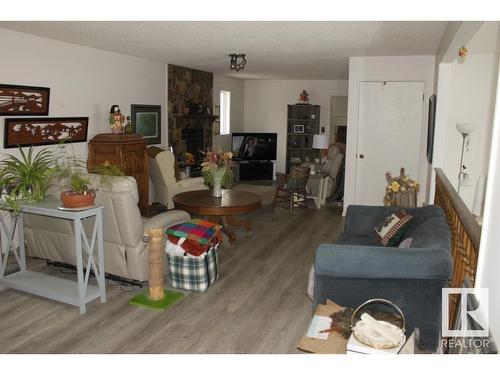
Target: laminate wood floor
{"type": "Point", "coordinates": [258, 305]}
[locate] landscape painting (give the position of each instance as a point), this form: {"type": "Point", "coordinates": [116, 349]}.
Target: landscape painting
{"type": "Point", "coordinates": [24, 100]}
{"type": "Point", "coordinates": [146, 121]}
{"type": "Point", "coordinates": [44, 131]}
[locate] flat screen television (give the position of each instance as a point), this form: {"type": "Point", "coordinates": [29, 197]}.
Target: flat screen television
{"type": "Point", "coordinates": [254, 146]}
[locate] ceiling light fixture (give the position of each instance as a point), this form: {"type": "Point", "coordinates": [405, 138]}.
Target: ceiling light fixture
{"type": "Point", "coordinates": [235, 65]}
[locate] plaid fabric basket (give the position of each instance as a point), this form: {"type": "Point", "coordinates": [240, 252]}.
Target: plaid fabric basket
{"type": "Point", "coordinates": [193, 273]}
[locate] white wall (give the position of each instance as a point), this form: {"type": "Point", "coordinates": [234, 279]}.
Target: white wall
{"type": "Point", "coordinates": [387, 68]}
{"type": "Point", "coordinates": [83, 81]}
{"type": "Point", "coordinates": [466, 93]}
{"type": "Point", "coordinates": [489, 256]}
{"type": "Point", "coordinates": [266, 106]}
{"type": "Point", "coordinates": [237, 89]}
{"type": "Point", "coordinates": [472, 94]}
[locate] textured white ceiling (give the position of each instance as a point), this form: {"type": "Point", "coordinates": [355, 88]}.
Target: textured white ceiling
{"type": "Point", "coordinates": [275, 50]}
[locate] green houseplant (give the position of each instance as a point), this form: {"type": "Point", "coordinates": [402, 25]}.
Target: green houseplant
{"type": "Point", "coordinates": [25, 178]}
{"type": "Point", "coordinates": [77, 189]}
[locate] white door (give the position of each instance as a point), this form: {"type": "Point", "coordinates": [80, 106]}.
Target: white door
{"type": "Point", "coordinates": [389, 135]}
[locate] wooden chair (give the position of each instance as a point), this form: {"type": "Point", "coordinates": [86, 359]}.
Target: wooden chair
{"type": "Point", "coordinates": [291, 190]}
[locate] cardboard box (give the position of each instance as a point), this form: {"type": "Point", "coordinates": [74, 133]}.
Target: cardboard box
{"type": "Point", "coordinates": [334, 344]}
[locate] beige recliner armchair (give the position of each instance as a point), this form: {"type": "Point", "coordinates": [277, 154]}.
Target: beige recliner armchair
{"type": "Point", "coordinates": [166, 179]}
{"type": "Point", "coordinates": [333, 166]}
{"type": "Point", "coordinates": [125, 253]}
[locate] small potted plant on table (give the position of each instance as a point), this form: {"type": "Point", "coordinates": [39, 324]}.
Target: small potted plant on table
{"type": "Point", "coordinates": [77, 189]}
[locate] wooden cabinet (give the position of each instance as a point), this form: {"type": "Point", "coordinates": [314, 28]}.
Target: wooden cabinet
{"type": "Point", "coordinates": [302, 124]}
{"type": "Point", "coordinates": [128, 151]}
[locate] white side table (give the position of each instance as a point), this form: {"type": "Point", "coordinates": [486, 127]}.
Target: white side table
{"type": "Point", "coordinates": [318, 185]}
{"type": "Point", "coordinates": [77, 293]}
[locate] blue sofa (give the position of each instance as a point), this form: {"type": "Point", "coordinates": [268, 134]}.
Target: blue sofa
{"type": "Point", "coordinates": [358, 268]}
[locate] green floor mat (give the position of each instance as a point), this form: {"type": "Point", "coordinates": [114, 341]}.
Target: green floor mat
{"type": "Point", "coordinates": [143, 300]}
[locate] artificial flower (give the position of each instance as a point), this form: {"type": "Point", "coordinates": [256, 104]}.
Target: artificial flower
{"type": "Point", "coordinates": [395, 186]}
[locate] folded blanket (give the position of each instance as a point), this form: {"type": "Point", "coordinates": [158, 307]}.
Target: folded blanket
{"type": "Point", "coordinates": [195, 230]}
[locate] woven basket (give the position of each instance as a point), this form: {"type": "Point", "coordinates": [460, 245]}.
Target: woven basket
{"type": "Point", "coordinates": [406, 199]}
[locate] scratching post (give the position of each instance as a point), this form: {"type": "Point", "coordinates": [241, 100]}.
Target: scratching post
{"type": "Point", "coordinates": [156, 298]}
{"type": "Point", "coordinates": [156, 292]}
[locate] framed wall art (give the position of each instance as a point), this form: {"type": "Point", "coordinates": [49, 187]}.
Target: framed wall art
{"type": "Point", "coordinates": [298, 128]}
{"type": "Point", "coordinates": [146, 121]}
{"type": "Point", "coordinates": [44, 131]}
{"type": "Point", "coordinates": [16, 100]}
{"type": "Point", "coordinates": [430, 127]}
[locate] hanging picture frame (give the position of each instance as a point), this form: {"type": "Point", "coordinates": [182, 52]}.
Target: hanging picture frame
{"type": "Point", "coordinates": [431, 120]}
{"type": "Point", "coordinates": [39, 131]}
{"type": "Point", "coordinates": [17, 100]}
{"type": "Point", "coordinates": [146, 121]}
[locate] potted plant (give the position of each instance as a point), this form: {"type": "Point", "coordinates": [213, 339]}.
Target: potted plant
{"type": "Point", "coordinates": [25, 178]}
{"type": "Point", "coordinates": [77, 189]}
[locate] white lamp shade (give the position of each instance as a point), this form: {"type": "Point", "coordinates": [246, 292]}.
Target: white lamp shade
{"type": "Point", "coordinates": [465, 127]}
{"type": "Point", "coordinates": [321, 141]}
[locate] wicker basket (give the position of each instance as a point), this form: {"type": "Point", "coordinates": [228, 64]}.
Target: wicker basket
{"type": "Point", "coordinates": [355, 320]}
{"type": "Point", "coordinates": [406, 199]}
{"type": "Point", "coordinates": [405, 192]}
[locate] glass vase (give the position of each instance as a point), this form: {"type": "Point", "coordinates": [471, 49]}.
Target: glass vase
{"type": "Point", "coordinates": [218, 175]}
{"type": "Point", "coordinates": [217, 191]}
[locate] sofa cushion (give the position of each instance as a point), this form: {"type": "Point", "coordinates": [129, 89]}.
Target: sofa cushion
{"type": "Point", "coordinates": [432, 234]}
{"type": "Point", "coordinates": [347, 238]}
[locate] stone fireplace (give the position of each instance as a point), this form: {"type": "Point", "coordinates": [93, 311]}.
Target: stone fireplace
{"type": "Point", "coordinates": [188, 132]}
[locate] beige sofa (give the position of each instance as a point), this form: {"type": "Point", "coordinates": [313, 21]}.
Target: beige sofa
{"type": "Point", "coordinates": [162, 170]}
{"type": "Point", "coordinates": [125, 253]}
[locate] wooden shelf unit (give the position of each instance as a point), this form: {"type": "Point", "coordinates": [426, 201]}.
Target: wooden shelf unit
{"type": "Point", "coordinates": [299, 143]}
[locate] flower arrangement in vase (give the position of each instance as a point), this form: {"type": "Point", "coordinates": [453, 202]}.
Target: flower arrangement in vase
{"type": "Point", "coordinates": [401, 191]}
{"type": "Point", "coordinates": [216, 170]}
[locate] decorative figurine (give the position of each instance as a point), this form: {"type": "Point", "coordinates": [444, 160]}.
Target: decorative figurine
{"type": "Point", "coordinates": [462, 52]}
{"type": "Point", "coordinates": [128, 128]}
{"type": "Point", "coordinates": [304, 97]}
{"type": "Point", "coordinates": [116, 119]}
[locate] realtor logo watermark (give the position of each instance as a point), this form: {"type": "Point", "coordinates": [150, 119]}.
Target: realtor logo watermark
{"type": "Point", "coordinates": [472, 323]}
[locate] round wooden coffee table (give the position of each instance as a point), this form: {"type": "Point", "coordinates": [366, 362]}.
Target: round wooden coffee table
{"type": "Point", "coordinates": [220, 210]}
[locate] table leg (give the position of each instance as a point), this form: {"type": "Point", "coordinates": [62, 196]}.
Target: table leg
{"type": "Point", "coordinates": [232, 221]}
{"type": "Point", "coordinates": [227, 230]}
{"type": "Point", "coordinates": [79, 265]}
{"type": "Point", "coordinates": [228, 223]}
{"type": "Point", "coordinates": [100, 254]}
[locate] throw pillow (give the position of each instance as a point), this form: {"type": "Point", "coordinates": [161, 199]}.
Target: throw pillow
{"type": "Point", "coordinates": [391, 230]}
{"type": "Point", "coordinates": [406, 243]}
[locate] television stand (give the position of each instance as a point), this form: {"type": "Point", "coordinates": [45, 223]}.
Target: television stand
{"type": "Point", "coordinates": [254, 170]}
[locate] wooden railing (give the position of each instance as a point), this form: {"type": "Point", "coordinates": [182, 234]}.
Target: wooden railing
{"type": "Point", "coordinates": [465, 234]}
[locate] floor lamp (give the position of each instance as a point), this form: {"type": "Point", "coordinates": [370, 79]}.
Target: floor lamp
{"type": "Point", "coordinates": [463, 177]}
{"type": "Point", "coordinates": [321, 142]}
